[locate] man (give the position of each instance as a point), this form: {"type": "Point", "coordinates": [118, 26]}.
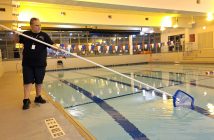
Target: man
{"type": "Point", "coordinates": [34, 61]}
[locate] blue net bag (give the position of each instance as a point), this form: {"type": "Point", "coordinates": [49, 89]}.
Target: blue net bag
{"type": "Point", "coordinates": [182, 99]}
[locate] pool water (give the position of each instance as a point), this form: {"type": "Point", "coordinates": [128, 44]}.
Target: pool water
{"type": "Point", "coordinates": [112, 107]}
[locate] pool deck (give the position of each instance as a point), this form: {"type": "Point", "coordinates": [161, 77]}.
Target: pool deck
{"type": "Point", "coordinates": [18, 124]}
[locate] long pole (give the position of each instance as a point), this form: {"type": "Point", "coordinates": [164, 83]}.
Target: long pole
{"type": "Point", "coordinates": [54, 47]}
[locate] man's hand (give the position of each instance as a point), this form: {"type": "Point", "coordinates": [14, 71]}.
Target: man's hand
{"type": "Point", "coordinates": [56, 47]}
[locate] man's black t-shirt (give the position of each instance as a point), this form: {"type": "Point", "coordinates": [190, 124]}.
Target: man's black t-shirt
{"type": "Point", "coordinates": [35, 53]}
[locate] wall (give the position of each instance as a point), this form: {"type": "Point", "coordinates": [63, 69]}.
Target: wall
{"type": "Point", "coordinates": [196, 29]}
{"type": "Point", "coordinates": [68, 63]}
{"type": "Point", "coordinates": [103, 60]}
{"type": "Point", "coordinates": [7, 14]}
{"type": "Point", "coordinates": [167, 57]}
{"type": "Point", "coordinates": [77, 63]}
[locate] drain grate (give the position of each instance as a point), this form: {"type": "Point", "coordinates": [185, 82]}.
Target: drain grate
{"type": "Point", "coordinates": [54, 128]}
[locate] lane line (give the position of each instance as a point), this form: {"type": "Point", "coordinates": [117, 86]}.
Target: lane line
{"type": "Point", "coordinates": [130, 128]}
{"type": "Point", "coordinates": [198, 109]}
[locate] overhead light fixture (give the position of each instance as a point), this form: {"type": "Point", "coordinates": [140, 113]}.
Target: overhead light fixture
{"type": "Point", "coordinates": [141, 31]}
{"type": "Point", "coordinates": [66, 26]}
{"type": "Point", "coordinates": [151, 31]}
{"type": "Point", "coordinates": [209, 16]}
{"type": "Point", "coordinates": [144, 30]}
{"type": "Point", "coordinates": [166, 21]}
{"type": "Point", "coordinates": [25, 15]}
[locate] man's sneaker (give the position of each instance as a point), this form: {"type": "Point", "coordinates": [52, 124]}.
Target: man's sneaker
{"type": "Point", "coordinates": [40, 100]}
{"type": "Point", "coordinates": [26, 104]}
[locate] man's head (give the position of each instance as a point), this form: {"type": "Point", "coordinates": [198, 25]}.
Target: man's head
{"type": "Point", "coordinates": [35, 25]}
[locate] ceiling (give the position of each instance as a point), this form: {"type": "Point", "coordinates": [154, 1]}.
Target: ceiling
{"type": "Point", "coordinates": [121, 6]}
{"type": "Point", "coordinates": [125, 9]}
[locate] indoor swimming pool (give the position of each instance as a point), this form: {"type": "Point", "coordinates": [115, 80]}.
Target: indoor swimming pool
{"type": "Point", "coordinates": [112, 107]}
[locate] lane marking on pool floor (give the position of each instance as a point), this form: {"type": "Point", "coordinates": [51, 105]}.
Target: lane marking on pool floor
{"type": "Point", "coordinates": [196, 108]}
{"type": "Point", "coordinates": [130, 128]}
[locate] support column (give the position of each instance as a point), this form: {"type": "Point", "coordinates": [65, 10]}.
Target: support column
{"type": "Point", "coordinates": [186, 39]}
{"type": "Point", "coordinates": [130, 45]}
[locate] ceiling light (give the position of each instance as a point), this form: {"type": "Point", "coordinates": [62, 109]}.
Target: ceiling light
{"type": "Point", "coordinates": [209, 16]}
{"type": "Point", "coordinates": [141, 33]}
{"type": "Point", "coordinates": [144, 29]}
{"type": "Point", "coordinates": [25, 15]}
{"type": "Point", "coordinates": [152, 31]}
{"type": "Point", "coordinates": [166, 22]}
